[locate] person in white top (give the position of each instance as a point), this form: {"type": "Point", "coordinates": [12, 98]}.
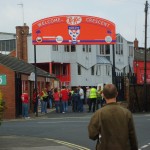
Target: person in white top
{"type": "Point", "coordinates": [81, 93]}
{"type": "Point", "coordinates": [87, 94]}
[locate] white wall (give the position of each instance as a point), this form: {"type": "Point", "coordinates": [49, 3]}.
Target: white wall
{"type": "Point", "coordinates": [85, 59]}
{"type": "Point", "coordinates": [7, 36]}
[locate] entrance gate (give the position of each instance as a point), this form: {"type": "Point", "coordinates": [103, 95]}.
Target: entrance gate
{"type": "Point", "coordinates": [72, 30]}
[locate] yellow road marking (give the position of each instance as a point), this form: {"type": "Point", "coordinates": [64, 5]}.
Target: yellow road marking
{"type": "Point", "coordinates": [68, 144]}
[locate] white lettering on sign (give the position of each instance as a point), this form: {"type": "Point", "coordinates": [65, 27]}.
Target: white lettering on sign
{"type": "Point", "coordinates": [49, 21]}
{"type": "Point", "coordinates": [73, 20]}
{"type": "Point", "coordinates": [98, 21]}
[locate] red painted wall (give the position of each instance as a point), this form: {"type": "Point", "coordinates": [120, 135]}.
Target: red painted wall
{"type": "Point", "coordinates": [63, 76]}
{"type": "Point", "coordinates": [139, 70]}
{"type": "Point", "coordinates": [8, 92]}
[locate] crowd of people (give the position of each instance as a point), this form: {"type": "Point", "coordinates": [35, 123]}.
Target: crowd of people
{"type": "Point", "coordinates": [75, 97]}
{"type": "Point", "coordinates": [60, 99]}
{"type": "Point", "coordinates": [105, 123]}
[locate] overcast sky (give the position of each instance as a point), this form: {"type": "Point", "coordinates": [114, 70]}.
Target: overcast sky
{"type": "Point", "coordinates": [128, 15]}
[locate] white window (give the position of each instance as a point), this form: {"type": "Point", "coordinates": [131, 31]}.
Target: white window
{"type": "Point", "coordinates": [69, 48]}
{"type": "Point", "coordinates": [119, 49]}
{"type": "Point", "coordinates": [108, 70]}
{"type": "Point", "coordinates": [66, 48]}
{"type": "Point", "coordinates": [79, 70]}
{"type": "Point", "coordinates": [83, 48]}
{"type": "Point", "coordinates": [98, 70]}
{"type": "Point", "coordinates": [55, 47]}
{"type": "Point", "coordinates": [102, 49]}
{"type": "Point", "coordinates": [92, 70]}
{"type": "Point", "coordinates": [86, 48]}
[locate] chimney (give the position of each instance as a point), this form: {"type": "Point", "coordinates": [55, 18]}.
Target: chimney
{"type": "Point", "coordinates": [21, 42]}
{"type": "Point", "coordinates": [136, 44]}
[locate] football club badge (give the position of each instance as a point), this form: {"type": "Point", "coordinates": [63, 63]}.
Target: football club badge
{"type": "Point", "coordinates": [74, 32]}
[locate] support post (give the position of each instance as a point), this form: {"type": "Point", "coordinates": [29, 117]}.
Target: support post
{"type": "Point", "coordinates": [35, 71]}
{"type": "Point", "coordinates": [113, 67]}
{"type": "Point", "coordinates": [145, 59]}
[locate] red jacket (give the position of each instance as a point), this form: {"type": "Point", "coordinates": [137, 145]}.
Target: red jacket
{"type": "Point", "coordinates": [25, 98]}
{"type": "Point", "coordinates": [56, 96]}
{"type": "Point", "coordinates": [64, 95]}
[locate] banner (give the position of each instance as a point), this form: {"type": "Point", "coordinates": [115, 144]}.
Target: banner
{"type": "Point", "coordinates": [73, 29]}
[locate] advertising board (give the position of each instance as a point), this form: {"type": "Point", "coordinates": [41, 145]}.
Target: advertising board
{"type": "Point", "coordinates": [73, 29]}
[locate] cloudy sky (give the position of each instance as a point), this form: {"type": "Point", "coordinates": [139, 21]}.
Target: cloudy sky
{"type": "Point", "coordinates": [128, 15]}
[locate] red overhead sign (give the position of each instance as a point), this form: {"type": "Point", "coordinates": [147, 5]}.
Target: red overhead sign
{"type": "Point", "coordinates": [73, 29]}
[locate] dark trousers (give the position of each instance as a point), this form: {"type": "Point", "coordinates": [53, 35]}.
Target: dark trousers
{"type": "Point", "coordinates": [92, 102]}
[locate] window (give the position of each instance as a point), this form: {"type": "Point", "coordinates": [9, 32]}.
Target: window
{"type": "Point", "coordinates": [7, 45]}
{"type": "Point", "coordinates": [64, 69]}
{"type": "Point", "coordinates": [3, 46]}
{"type": "Point", "coordinates": [98, 70]}
{"type": "Point", "coordinates": [107, 49]}
{"type": "Point", "coordinates": [92, 70]}
{"type": "Point", "coordinates": [79, 70]}
{"type": "Point", "coordinates": [66, 48]}
{"type": "Point", "coordinates": [86, 48]}
{"type": "Point", "coordinates": [56, 69]}
{"type": "Point", "coordinates": [73, 48]}
{"type": "Point", "coordinates": [83, 48]}
{"type": "Point", "coordinates": [119, 49]}
{"type": "Point", "coordinates": [69, 48]}
{"type": "Point", "coordinates": [102, 49]}
{"type": "Point", "coordinates": [89, 48]}
{"type": "Point", "coordinates": [108, 70]}
{"type": "Point", "coordinates": [55, 47]}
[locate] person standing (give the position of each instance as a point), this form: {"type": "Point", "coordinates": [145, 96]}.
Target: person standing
{"type": "Point", "coordinates": [25, 105]}
{"type": "Point", "coordinates": [99, 98]}
{"type": "Point", "coordinates": [92, 98]}
{"type": "Point", "coordinates": [75, 100]}
{"type": "Point", "coordinates": [44, 100]}
{"type": "Point", "coordinates": [80, 105]}
{"type": "Point", "coordinates": [35, 100]}
{"type": "Point", "coordinates": [50, 97]}
{"type": "Point", "coordinates": [56, 96]}
{"type": "Point", "coordinates": [112, 125]}
{"type": "Point", "coordinates": [87, 95]}
{"type": "Point", "coordinates": [64, 99]}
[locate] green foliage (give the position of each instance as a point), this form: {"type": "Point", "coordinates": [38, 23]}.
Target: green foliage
{"type": "Point", "coordinates": [2, 106]}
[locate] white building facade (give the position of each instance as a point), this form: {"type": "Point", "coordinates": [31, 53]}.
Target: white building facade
{"type": "Point", "coordinates": [89, 64]}
{"type": "Point", "coordinates": [84, 65]}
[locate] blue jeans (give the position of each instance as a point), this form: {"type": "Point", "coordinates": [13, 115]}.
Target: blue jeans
{"type": "Point", "coordinates": [57, 105]}
{"type": "Point", "coordinates": [65, 106]}
{"type": "Point", "coordinates": [80, 105]}
{"type": "Point", "coordinates": [43, 107]}
{"type": "Point", "coordinates": [25, 110]}
{"type": "Point", "coordinates": [50, 103]}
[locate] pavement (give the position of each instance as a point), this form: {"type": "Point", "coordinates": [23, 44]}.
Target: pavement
{"type": "Point", "coordinates": [34, 143]}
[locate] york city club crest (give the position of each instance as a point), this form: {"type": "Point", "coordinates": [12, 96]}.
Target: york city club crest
{"type": "Point", "coordinates": [74, 32]}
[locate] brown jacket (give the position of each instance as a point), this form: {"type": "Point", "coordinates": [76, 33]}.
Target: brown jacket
{"type": "Point", "coordinates": [114, 124]}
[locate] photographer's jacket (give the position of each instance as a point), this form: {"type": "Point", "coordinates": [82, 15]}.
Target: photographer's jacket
{"type": "Point", "coordinates": [113, 128]}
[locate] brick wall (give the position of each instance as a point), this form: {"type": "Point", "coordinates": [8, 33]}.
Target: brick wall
{"type": "Point", "coordinates": [8, 91]}
{"type": "Point", "coordinates": [21, 37]}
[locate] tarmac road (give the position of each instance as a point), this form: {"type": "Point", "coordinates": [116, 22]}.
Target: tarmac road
{"type": "Point", "coordinates": [12, 142]}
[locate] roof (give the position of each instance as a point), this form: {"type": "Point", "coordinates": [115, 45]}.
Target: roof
{"type": "Point", "coordinates": [102, 60]}
{"type": "Point", "coordinates": [140, 55]}
{"type": "Point", "coordinates": [21, 66]}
